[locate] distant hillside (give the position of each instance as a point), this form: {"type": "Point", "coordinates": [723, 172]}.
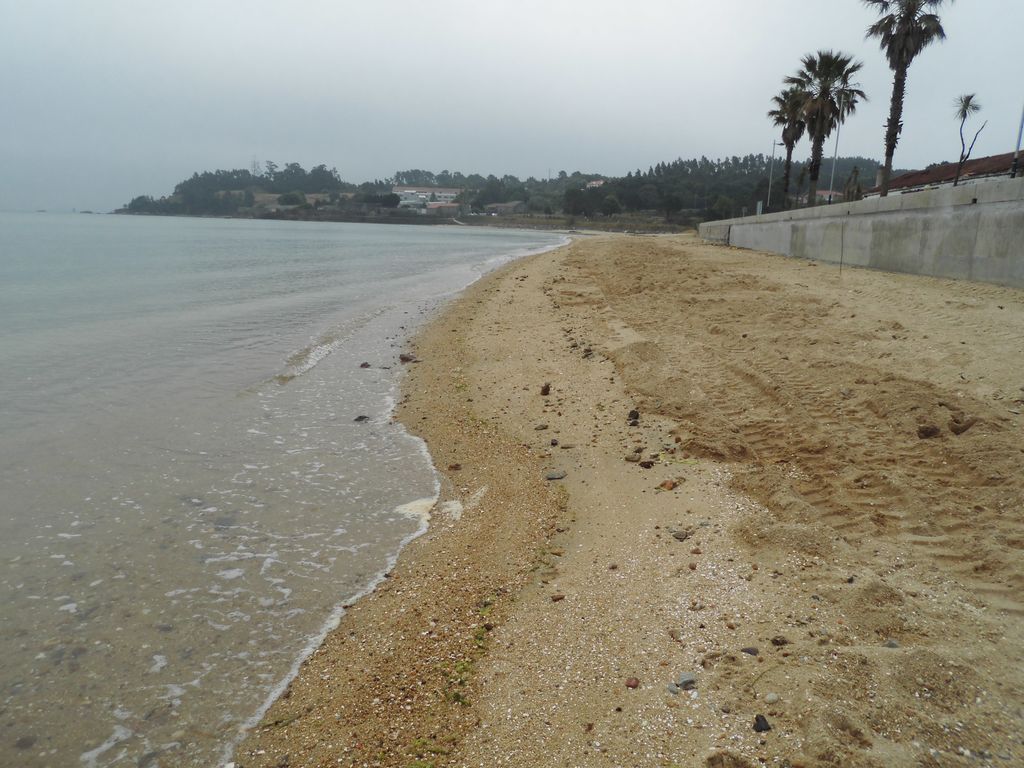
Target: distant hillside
{"type": "Point", "coordinates": [685, 191]}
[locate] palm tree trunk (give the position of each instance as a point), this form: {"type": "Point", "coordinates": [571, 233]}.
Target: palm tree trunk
{"type": "Point", "coordinates": [817, 150]}
{"type": "Point", "coordinates": [892, 128]}
{"type": "Point", "coordinates": [785, 176]}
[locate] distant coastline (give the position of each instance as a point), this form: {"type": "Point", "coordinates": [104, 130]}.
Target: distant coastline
{"type": "Point", "coordinates": [667, 197]}
{"type": "Point", "coordinates": [626, 223]}
{"type": "Point", "coordinates": [300, 215]}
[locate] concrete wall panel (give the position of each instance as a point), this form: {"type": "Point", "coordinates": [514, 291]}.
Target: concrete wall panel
{"type": "Point", "coordinates": [974, 231]}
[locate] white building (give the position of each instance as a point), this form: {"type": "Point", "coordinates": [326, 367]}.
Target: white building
{"type": "Point", "coordinates": [419, 197]}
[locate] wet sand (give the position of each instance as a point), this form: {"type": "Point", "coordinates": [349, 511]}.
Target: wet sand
{"type": "Point", "coordinates": [815, 514]}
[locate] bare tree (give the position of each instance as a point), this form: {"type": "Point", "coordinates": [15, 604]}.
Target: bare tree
{"type": "Point", "coordinates": [966, 105]}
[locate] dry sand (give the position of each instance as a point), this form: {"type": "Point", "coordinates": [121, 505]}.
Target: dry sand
{"type": "Point", "coordinates": [824, 526]}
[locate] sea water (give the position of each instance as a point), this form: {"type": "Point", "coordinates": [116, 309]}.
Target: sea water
{"type": "Point", "coordinates": [188, 489]}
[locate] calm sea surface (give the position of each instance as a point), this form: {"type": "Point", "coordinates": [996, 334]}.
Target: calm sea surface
{"type": "Point", "coordinates": [186, 498]}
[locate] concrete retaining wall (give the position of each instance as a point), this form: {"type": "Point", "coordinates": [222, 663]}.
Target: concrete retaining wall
{"type": "Point", "coordinates": [970, 232]}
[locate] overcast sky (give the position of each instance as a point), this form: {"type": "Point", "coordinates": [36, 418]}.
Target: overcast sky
{"type": "Point", "coordinates": [103, 100]}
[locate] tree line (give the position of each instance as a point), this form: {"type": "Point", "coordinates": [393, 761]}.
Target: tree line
{"type": "Point", "coordinates": [699, 188]}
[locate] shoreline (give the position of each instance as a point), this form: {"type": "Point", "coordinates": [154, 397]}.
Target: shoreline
{"type": "Point", "coordinates": [544, 621]}
{"type": "Point", "coordinates": [426, 562]}
{"type": "Point", "coordinates": [424, 509]}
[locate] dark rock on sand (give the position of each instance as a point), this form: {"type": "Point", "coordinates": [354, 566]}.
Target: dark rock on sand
{"type": "Point", "coordinates": [545, 390]}
{"type": "Point", "coordinates": [686, 681]}
{"type": "Point", "coordinates": [555, 475]}
{"type": "Point", "coordinates": [359, 419]}
{"type": "Point", "coordinates": [364, 365]}
{"type": "Point", "coordinates": [761, 724]}
{"type": "Point", "coordinates": [408, 358]}
{"type": "Point", "coordinates": [926, 431]}
{"type": "Point", "coordinates": [724, 759]}
{"type": "Point", "coordinates": [634, 415]}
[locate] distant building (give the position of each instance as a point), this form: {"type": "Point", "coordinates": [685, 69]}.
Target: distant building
{"type": "Point", "coordinates": [993, 166]}
{"type": "Point", "coordinates": [443, 209]}
{"type": "Point", "coordinates": [595, 183]}
{"type": "Point", "coordinates": [419, 197]}
{"type": "Point", "coordinates": [822, 197]}
{"type": "Point", "coordinates": [505, 209]}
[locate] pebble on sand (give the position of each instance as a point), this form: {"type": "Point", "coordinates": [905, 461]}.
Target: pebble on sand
{"type": "Point", "coordinates": [686, 681]}
{"type": "Point", "coordinates": [632, 682]}
{"type": "Point", "coordinates": [554, 475]}
{"type": "Point", "coordinates": [761, 724]}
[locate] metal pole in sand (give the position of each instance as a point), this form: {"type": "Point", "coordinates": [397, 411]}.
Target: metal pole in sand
{"type": "Point", "coordinates": [842, 246]}
{"type": "Point", "coordinates": [771, 170]}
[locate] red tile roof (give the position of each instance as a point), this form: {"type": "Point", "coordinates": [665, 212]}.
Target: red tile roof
{"type": "Point", "coordinates": [946, 172]}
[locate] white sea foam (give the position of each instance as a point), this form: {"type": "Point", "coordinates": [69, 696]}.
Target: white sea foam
{"type": "Point", "coordinates": [452, 509]}
{"type": "Point", "coordinates": [418, 509]}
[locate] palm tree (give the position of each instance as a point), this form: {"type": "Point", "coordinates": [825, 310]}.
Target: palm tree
{"type": "Point", "coordinates": [966, 106]}
{"type": "Point", "coordinates": [789, 114]}
{"type": "Point", "coordinates": [829, 97]}
{"type": "Point", "coordinates": [904, 30]}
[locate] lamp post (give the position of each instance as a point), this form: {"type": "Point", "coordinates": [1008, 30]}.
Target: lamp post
{"type": "Point", "coordinates": [835, 153]}
{"type": "Point", "coordinates": [771, 172]}
{"type": "Point", "coordinates": [1016, 154]}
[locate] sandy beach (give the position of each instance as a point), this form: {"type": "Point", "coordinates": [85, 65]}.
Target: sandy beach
{"type": "Point", "coordinates": [700, 507]}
